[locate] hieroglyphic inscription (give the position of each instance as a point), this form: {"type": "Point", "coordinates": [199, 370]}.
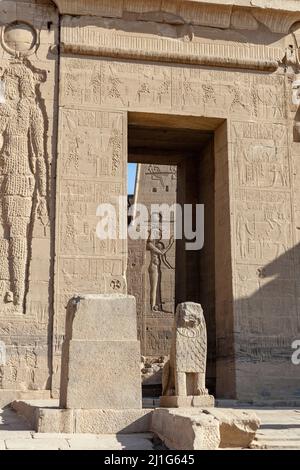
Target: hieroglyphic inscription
{"type": "Point", "coordinates": [263, 240]}
{"type": "Point", "coordinates": [262, 182]}
{"type": "Point", "coordinates": [91, 171]}
{"type": "Point", "coordinates": [145, 86]}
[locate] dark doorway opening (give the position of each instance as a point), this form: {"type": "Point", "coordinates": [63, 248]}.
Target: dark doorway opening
{"type": "Point", "coordinates": [175, 160]}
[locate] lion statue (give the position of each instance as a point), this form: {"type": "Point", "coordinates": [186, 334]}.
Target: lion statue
{"type": "Point", "coordinates": [184, 373]}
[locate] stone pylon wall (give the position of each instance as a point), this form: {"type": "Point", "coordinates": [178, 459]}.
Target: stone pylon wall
{"type": "Point", "coordinates": [232, 66]}
{"type": "Point", "coordinates": [256, 313]}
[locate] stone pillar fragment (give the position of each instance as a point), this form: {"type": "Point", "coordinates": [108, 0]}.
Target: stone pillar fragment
{"type": "Point", "coordinates": [101, 355]}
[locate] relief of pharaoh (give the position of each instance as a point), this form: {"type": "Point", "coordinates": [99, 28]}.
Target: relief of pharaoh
{"type": "Point", "coordinates": [23, 172]}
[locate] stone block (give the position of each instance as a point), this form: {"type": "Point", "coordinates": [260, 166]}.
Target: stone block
{"type": "Point", "coordinates": [104, 375]}
{"type": "Point", "coordinates": [8, 396]}
{"type": "Point", "coordinates": [102, 317]}
{"type": "Point", "coordinates": [53, 420]}
{"type": "Point", "coordinates": [188, 427]}
{"type": "Point", "coordinates": [46, 417]}
{"type": "Point", "coordinates": [199, 401]}
{"type": "Point", "coordinates": [237, 427]}
{"type": "Point", "coordinates": [112, 421]}
{"type": "Point", "coordinates": [183, 431]}
{"type": "Point", "coordinates": [101, 355]}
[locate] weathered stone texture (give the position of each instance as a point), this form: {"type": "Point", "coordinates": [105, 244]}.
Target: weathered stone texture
{"type": "Point", "coordinates": [156, 184]}
{"type": "Point", "coordinates": [28, 112]}
{"type": "Point", "coordinates": [237, 427]}
{"type": "Point", "coordinates": [46, 417]}
{"type": "Point", "coordinates": [181, 431]}
{"type": "Point", "coordinates": [223, 68]}
{"type": "Point", "coordinates": [100, 361]}
{"type": "Point", "coordinates": [191, 429]}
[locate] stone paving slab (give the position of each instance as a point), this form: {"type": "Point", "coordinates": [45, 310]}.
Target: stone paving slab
{"type": "Point", "coordinates": [14, 434]}
{"type": "Point", "coordinates": [37, 444]}
{"type": "Point", "coordinates": [280, 429]}
{"type": "Point", "coordinates": [111, 442]}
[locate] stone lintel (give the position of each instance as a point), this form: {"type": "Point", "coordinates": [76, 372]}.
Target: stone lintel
{"type": "Point", "coordinates": [111, 38]}
{"type": "Point", "coordinates": [116, 7]}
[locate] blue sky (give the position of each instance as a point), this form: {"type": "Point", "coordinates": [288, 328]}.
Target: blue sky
{"type": "Point", "coordinates": [132, 167]}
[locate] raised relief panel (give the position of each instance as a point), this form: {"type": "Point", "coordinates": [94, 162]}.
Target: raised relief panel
{"type": "Point", "coordinates": [91, 172]}
{"type": "Point", "coordinates": [141, 86]}
{"type": "Point", "coordinates": [264, 286]}
{"type": "Point", "coordinates": [262, 163]}
{"type": "Point", "coordinates": [263, 217]}
{"type": "Point", "coordinates": [28, 66]}
{"type": "Point", "coordinates": [151, 263]}
{"type": "Point", "coordinates": [98, 136]}
{"type": "Point", "coordinates": [263, 225]}
{"type": "Point", "coordinates": [24, 175]}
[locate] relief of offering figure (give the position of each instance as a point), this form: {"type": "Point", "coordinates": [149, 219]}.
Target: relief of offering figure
{"type": "Point", "coordinates": [23, 173]}
{"type": "Point", "coordinates": [158, 253]}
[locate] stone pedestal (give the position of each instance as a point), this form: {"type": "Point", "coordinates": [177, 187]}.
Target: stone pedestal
{"type": "Point", "coordinates": [200, 401]}
{"type": "Point", "coordinates": [101, 354]}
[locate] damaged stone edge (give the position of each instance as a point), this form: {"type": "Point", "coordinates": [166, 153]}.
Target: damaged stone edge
{"type": "Point", "coordinates": [265, 65]}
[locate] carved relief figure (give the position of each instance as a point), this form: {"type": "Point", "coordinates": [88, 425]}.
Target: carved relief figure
{"type": "Point", "coordinates": [23, 172]}
{"type": "Point", "coordinates": [243, 234]}
{"type": "Point", "coordinates": [158, 175]}
{"type": "Point", "coordinates": [184, 373]}
{"type": "Point", "coordinates": [158, 253]}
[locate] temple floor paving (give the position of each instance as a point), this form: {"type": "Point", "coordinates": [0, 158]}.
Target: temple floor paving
{"type": "Point", "coordinates": [15, 434]}
{"type": "Point", "coordinates": [280, 429]}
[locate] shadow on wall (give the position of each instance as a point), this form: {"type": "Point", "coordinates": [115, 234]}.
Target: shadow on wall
{"type": "Point", "coordinates": [11, 421]}
{"type": "Point", "coordinates": [267, 322]}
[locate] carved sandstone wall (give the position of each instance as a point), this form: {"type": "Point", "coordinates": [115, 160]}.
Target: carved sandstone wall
{"type": "Point", "coordinates": [151, 276]}
{"type": "Point", "coordinates": [231, 68]}
{"type": "Point", "coordinates": [238, 75]}
{"type": "Point", "coordinates": [28, 110]}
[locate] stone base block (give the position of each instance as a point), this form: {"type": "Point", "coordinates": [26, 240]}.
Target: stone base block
{"type": "Point", "coordinates": [200, 401]}
{"type": "Point", "coordinates": [8, 396]}
{"type": "Point", "coordinates": [47, 417]}
{"type": "Point", "coordinates": [103, 375]}
{"type": "Point", "coordinates": [101, 354]}
{"type": "Point", "coordinates": [183, 431]}
{"type": "Point", "coordinates": [237, 427]}
{"type": "Point", "coordinates": [193, 429]}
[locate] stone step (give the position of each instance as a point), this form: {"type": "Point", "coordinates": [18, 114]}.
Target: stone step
{"type": "Point", "coordinates": [46, 416]}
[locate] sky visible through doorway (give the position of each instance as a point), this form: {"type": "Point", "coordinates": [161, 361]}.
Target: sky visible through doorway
{"type": "Point", "coordinates": [131, 171]}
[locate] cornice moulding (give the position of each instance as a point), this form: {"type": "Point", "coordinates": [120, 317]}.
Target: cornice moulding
{"type": "Point", "coordinates": [78, 37]}
{"type": "Point", "coordinates": [66, 6]}
{"type": "Point", "coordinates": [277, 15]}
